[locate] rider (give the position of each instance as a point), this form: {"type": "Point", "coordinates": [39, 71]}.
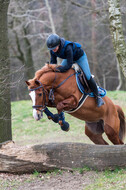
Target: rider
{"type": "Point", "coordinates": [71, 52]}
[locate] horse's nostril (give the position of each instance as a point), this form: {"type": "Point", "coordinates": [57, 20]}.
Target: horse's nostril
{"type": "Point", "coordinates": [40, 115]}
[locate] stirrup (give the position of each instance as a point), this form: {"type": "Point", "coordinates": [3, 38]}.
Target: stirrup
{"type": "Point", "coordinates": [99, 101]}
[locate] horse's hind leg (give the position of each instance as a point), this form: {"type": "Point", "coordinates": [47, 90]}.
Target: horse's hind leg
{"type": "Point", "coordinates": [112, 130]}
{"type": "Point", "coordinates": [94, 131]}
{"type": "Point", "coordinates": [113, 135]}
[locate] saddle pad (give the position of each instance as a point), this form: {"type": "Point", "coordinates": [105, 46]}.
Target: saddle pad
{"type": "Point", "coordinates": [101, 91]}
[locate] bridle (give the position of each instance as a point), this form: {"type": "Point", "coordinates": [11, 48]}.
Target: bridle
{"type": "Point", "coordinates": [44, 97]}
{"type": "Point", "coordinates": [51, 93]}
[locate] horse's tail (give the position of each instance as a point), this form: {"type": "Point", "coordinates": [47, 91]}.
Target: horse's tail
{"type": "Point", "coordinates": [122, 131]}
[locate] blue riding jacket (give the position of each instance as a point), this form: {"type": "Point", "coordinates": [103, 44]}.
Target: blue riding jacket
{"type": "Point", "coordinates": [70, 51]}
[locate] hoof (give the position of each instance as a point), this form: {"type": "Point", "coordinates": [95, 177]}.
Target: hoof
{"type": "Point", "coordinates": [56, 118]}
{"type": "Point", "coordinates": [65, 126]}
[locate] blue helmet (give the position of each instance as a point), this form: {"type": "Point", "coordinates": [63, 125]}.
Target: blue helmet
{"type": "Point", "coordinates": [53, 41]}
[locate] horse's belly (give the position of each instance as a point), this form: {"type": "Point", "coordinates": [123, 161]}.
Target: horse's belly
{"type": "Point", "coordinates": [88, 115]}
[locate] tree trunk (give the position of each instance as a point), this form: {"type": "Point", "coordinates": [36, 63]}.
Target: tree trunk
{"type": "Point", "coordinates": [123, 86]}
{"type": "Point", "coordinates": [29, 63]}
{"type": "Point", "coordinates": [50, 16]}
{"type": "Point", "coordinates": [46, 157]}
{"type": "Point", "coordinates": [117, 33]}
{"type": "Point", "coordinates": [94, 54]}
{"type": "Point", "coordinates": [65, 23]}
{"type": "Point", "coordinates": [5, 107]}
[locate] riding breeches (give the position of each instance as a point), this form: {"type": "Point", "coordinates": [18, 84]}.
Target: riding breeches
{"type": "Point", "coordinates": [83, 64]}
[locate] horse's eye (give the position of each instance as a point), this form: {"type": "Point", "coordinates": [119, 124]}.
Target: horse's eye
{"type": "Point", "coordinates": [40, 94]}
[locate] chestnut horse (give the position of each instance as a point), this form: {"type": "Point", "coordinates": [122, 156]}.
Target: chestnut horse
{"type": "Point", "coordinates": [108, 118]}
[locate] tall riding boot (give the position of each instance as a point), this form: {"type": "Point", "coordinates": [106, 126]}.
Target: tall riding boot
{"type": "Point", "coordinates": [93, 87]}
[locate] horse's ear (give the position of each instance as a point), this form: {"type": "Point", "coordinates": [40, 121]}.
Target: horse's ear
{"type": "Point", "coordinates": [37, 82]}
{"type": "Point", "coordinates": [28, 83]}
{"type": "Point", "coordinates": [47, 64]}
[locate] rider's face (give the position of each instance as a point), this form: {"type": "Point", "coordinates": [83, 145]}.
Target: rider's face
{"type": "Point", "coordinates": [56, 49]}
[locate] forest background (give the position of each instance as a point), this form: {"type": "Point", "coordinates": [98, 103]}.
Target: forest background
{"type": "Point", "coordinates": [87, 22]}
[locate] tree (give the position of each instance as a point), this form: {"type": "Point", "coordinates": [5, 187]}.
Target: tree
{"type": "Point", "coordinates": [28, 27]}
{"type": "Point", "coordinates": [87, 22]}
{"type": "Point", "coordinates": [5, 105]}
{"type": "Point", "coordinates": [94, 54]}
{"type": "Point", "coordinates": [50, 16]}
{"type": "Point", "coordinates": [117, 33]}
{"type": "Point", "coordinates": [65, 21]}
{"type": "Point", "coordinates": [102, 57]}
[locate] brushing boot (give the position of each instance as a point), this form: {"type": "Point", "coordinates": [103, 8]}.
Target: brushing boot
{"type": "Point", "coordinates": [64, 125]}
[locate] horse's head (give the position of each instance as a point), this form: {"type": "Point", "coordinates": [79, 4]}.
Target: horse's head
{"type": "Point", "coordinates": [38, 96]}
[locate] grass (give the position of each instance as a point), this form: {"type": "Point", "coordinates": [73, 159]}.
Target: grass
{"type": "Point", "coordinates": [118, 97]}
{"type": "Point", "coordinates": [109, 180]}
{"type": "Point", "coordinates": [26, 130]}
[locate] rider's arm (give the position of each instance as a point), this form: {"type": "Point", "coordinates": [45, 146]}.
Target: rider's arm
{"type": "Point", "coordinates": [53, 59]}
{"type": "Point", "coordinates": [69, 57]}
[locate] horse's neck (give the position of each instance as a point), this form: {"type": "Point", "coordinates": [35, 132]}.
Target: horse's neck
{"type": "Point", "coordinates": [54, 79]}
{"type": "Point", "coordinates": [48, 78]}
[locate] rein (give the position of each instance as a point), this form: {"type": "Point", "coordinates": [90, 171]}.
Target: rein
{"type": "Point", "coordinates": [51, 93]}
{"type": "Point", "coordinates": [52, 90]}
{"type": "Point", "coordinates": [64, 80]}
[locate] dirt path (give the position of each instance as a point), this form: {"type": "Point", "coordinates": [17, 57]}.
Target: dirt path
{"type": "Point", "coordinates": [58, 180]}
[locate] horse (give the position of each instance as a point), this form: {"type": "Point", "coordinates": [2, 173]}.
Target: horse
{"type": "Point", "coordinates": [63, 90]}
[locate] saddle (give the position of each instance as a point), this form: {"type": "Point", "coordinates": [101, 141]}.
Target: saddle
{"type": "Point", "coordinates": [83, 84]}
{"type": "Point", "coordinates": [81, 79]}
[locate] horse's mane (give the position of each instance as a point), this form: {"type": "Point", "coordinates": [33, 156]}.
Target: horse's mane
{"type": "Point", "coordinates": [45, 69]}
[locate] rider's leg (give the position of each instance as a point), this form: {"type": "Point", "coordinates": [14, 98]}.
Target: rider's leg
{"type": "Point", "coordinates": [83, 63]}
{"type": "Point", "coordinates": [93, 87]}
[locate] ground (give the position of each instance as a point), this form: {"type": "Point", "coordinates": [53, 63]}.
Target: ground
{"type": "Point", "coordinates": [58, 180]}
{"type": "Point", "coordinates": [27, 131]}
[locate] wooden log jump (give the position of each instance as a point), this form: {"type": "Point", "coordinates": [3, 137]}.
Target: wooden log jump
{"type": "Point", "coordinates": [46, 157]}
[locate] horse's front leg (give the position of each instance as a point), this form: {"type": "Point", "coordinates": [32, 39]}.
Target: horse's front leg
{"type": "Point", "coordinates": [67, 104]}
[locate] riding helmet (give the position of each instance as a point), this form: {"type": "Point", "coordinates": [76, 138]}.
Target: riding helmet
{"type": "Point", "coordinates": [53, 41]}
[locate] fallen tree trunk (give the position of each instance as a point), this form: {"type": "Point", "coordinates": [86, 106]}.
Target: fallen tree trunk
{"type": "Point", "coordinates": [46, 157]}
